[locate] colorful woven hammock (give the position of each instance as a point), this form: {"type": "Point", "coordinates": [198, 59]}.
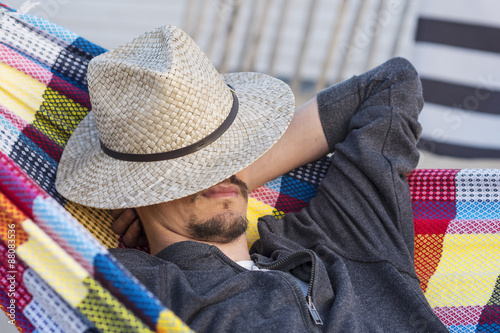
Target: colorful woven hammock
{"type": "Point", "coordinates": [56, 272]}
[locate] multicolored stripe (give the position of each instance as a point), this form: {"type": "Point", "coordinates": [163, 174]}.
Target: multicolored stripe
{"type": "Point", "coordinates": [457, 235]}
{"type": "Point", "coordinates": [43, 96]}
{"type": "Point", "coordinates": [62, 260]}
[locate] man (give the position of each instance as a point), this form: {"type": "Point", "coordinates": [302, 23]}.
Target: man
{"type": "Point", "coordinates": [184, 145]}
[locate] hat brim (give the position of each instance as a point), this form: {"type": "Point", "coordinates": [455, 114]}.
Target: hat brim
{"type": "Point", "coordinates": [88, 176]}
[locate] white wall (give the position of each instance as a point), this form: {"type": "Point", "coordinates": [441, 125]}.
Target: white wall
{"type": "Point", "coordinates": [109, 23]}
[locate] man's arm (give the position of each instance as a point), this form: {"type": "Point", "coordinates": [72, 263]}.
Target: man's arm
{"type": "Point", "coordinates": [366, 185]}
{"type": "Point", "coordinates": [313, 133]}
{"type": "Point", "coordinates": [303, 142]}
{"type": "Point", "coordinates": [363, 207]}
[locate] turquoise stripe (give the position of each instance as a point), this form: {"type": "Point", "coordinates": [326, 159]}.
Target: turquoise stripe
{"type": "Point", "coordinates": [274, 184]}
{"type": "Point", "coordinates": [67, 227]}
{"type": "Point", "coordinates": [49, 27]}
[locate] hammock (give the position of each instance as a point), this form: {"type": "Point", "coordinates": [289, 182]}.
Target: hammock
{"type": "Point", "coordinates": [56, 272]}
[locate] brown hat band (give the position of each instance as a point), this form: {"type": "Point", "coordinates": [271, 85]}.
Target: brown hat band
{"type": "Point", "coordinates": [181, 151]}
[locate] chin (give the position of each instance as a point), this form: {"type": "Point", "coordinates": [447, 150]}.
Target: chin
{"type": "Point", "coordinates": [222, 228]}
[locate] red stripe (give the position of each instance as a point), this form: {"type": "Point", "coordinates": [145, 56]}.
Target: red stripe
{"type": "Point", "coordinates": [279, 201]}
{"type": "Point", "coordinates": [24, 65]}
{"type": "Point", "coordinates": [433, 199]}
{"type": "Point", "coordinates": [19, 123]}
{"type": "Point", "coordinates": [288, 204]}
{"type": "Point", "coordinates": [22, 296]}
{"type": "Point", "coordinates": [18, 186]}
{"type": "Point", "coordinates": [431, 226]}
{"type": "Point", "coordinates": [44, 142]}
{"type": "Point", "coordinates": [19, 267]}
{"type": "Point", "coordinates": [70, 91]}
{"type": "Point", "coordinates": [433, 184]}
{"type": "Point", "coordinates": [265, 195]}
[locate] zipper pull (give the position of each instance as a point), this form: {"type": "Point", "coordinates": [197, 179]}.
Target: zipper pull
{"type": "Point", "coordinates": [314, 313]}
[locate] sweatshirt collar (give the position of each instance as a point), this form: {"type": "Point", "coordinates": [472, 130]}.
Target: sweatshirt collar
{"type": "Point", "coordinates": [192, 255]}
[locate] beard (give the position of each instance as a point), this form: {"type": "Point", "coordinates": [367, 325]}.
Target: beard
{"type": "Point", "coordinates": [222, 229]}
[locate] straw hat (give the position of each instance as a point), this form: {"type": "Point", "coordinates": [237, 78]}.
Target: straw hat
{"type": "Point", "coordinates": [165, 124]}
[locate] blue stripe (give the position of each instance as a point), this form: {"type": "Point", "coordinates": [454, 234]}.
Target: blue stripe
{"type": "Point", "coordinates": [298, 189]}
{"type": "Point", "coordinates": [488, 328]}
{"type": "Point", "coordinates": [33, 160]}
{"type": "Point", "coordinates": [130, 292]}
{"type": "Point", "coordinates": [425, 209]}
{"type": "Point", "coordinates": [89, 47]}
{"type": "Point", "coordinates": [478, 210]}
{"type": "Point", "coordinates": [462, 328]}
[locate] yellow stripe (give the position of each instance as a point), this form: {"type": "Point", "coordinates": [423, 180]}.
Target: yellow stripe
{"type": "Point", "coordinates": [255, 210]}
{"type": "Point", "coordinates": [53, 264]}
{"type": "Point", "coordinates": [96, 221]}
{"type": "Point", "coordinates": [470, 253]}
{"type": "Point", "coordinates": [107, 313]}
{"type": "Point", "coordinates": [467, 271]}
{"type": "Point", "coordinates": [58, 116]}
{"type": "Point", "coordinates": [20, 93]}
{"type": "Point", "coordinates": [169, 322]}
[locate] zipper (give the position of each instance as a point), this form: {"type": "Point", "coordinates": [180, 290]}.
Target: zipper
{"type": "Point", "coordinates": [282, 263]}
{"type": "Point", "coordinates": [314, 313]}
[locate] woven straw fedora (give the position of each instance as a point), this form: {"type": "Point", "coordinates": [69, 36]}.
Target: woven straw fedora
{"type": "Point", "coordinates": [165, 124]}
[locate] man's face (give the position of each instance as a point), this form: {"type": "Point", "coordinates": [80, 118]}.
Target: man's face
{"type": "Point", "coordinates": [216, 215]}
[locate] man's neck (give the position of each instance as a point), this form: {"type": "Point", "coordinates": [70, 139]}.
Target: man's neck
{"type": "Point", "coordinates": [236, 250]}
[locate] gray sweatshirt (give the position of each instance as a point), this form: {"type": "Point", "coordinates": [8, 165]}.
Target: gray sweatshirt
{"type": "Point", "coordinates": [353, 245]}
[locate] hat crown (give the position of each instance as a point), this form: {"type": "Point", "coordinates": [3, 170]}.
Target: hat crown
{"type": "Point", "coordinates": [156, 93]}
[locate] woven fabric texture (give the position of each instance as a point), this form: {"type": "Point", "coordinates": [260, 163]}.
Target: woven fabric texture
{"type": "Point", "coordinates": [54, 252]}
{"type": "Point", "coordinates": [43, 97]}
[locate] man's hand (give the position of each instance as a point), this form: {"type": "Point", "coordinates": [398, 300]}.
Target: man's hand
{"type": "Point", "coordinates": [128, 225]}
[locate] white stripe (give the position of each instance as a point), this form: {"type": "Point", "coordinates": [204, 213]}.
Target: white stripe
{"type": "Point", "coordinates": [36, 314]}
{"type": "Point", "coordinates": [474, 185]}
{"type": "Point", "coordinates": [53, 304]}
{"type": "Point", "coordinates": [480, 12]}
{"type": "Point", "coordinates": [463, 66]}
{"type": "Point", "coordinates": [19, 37]}
{"type": "Point", "coordinates": [456, 126]}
